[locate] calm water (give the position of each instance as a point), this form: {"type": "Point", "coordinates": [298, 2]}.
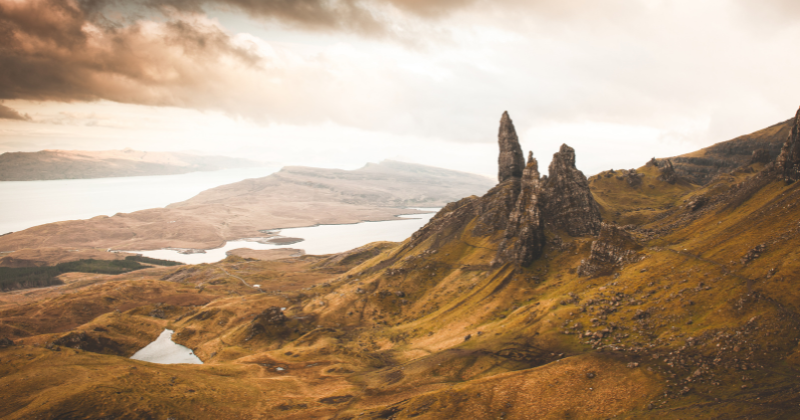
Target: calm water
{"type": "Point", "coordinates": [166, 352]}
{"type": "Point", "coordinates": [317, 240]}
{"type": "Point", "coordinates": [25, 204]}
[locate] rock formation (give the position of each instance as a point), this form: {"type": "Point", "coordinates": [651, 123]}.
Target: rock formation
{"type": "Point", "coordinates": [788, 163]}
{"type": "Point", "coordinates": [510, 162]}
{"type": "Point", "coordinates": [613, 248]}
{"type": "Point", "coordinates": [568, 202]}
{"type": "Point", "coordinates": [667, 172]}
{"type": "Point", "coordinates": [520, 206]}
{"type": "Point", "coordinates": [524, 236]}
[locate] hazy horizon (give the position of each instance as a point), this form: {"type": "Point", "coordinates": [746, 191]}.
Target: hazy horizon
{"type": "Point", "coordinates": [342, 83]}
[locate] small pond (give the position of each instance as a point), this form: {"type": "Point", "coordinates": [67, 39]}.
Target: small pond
{"type": "Point", "coordinates": [166, 352]}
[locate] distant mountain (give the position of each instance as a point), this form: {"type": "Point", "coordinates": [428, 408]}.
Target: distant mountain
{"type": "Point", "coordinates": [293, 197]}
{"type": "Point", "coordinates": [73, 164]}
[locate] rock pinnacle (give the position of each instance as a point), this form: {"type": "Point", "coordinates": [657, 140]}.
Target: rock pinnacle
{"type": "Point", "coordinates": [511, 161]}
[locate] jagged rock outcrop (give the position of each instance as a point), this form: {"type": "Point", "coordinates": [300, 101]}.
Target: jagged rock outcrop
{"type": "Point", "coordinates": [633, 178]}
{"type": "Point", "coordinates": [760, 156]}
{"type": "Point", "coordinates": [788, 162]}
{"type": "Point", "coordinates": [511, 162]}
{"type": "Point", "coordinates": [524, 236]}
{"type": "Point", "coordinates": [568, 202]}
{"type": "Point", "coordinates": [667, 172]}
{"type": "Point", "coordinates": [613, 248]}
{"type": "Point", "coordinates": [519, 207]}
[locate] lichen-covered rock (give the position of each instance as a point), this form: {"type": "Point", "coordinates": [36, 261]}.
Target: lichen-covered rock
{"type": "Point", "coordinates": [613, 248]}
{"type": "Point", "coordinates": [511, 161]}
{"type": "Point", "coordinates": [788, 162]}
{"type": "Point", "coordinates": [568, 202]}
{"type": "Point", "coordinates": [524, 234]}
{"type": "Point", "coordinates": [667, 172]}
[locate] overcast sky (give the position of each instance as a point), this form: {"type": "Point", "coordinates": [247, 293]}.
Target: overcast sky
{"type": "Point", "coordinates": [338, 83]}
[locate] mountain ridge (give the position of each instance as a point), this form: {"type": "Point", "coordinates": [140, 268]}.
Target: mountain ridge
{"type": "Point", "coordinates": [73, 164]}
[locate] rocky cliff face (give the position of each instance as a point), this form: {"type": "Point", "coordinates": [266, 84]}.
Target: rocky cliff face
{"type": "Point", "coordinates": [511, 162]}
{"type": "Point", "coordinates": [788, 162]}
{"type": "Point", "coordinates": [521, 206]}
{"type": "Point", "coordinates": [568, 202]}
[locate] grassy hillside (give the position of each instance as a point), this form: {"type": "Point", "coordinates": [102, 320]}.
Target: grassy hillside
{"type": "Point", "coordinates": [704, 323]}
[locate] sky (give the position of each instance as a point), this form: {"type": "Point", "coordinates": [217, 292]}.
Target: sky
{"type": "Point", "coordinates": [338, 83]}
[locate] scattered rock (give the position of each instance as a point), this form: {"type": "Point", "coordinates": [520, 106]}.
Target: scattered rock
{"type": "Point", "coordinates": [753, 253]}
{"type": "Point", "coordinates": [6, 342]}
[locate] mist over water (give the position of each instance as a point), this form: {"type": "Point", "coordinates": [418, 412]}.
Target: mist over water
{"type": "Point", "coordinates": [25, 204]}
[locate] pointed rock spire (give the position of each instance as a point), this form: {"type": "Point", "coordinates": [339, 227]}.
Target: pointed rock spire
{"type": "Point", "coordinates": [511, 161]}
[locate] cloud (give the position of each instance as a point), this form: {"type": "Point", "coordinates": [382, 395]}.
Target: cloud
{"type": "Point", "coordinates": [11, 114]}
{"type": "Point", "coordinates": [685, 66]}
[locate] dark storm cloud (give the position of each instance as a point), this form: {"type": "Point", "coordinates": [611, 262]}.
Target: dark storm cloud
{"type": "Point", "coordinates": [64, 51]}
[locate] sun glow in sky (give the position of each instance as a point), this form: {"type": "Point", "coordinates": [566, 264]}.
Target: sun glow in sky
{"type": "Point", "coordinates": [340, 83]}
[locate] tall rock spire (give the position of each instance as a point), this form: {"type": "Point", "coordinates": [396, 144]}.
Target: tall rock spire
{"type": "Point", "coordinates": [511, 161]}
